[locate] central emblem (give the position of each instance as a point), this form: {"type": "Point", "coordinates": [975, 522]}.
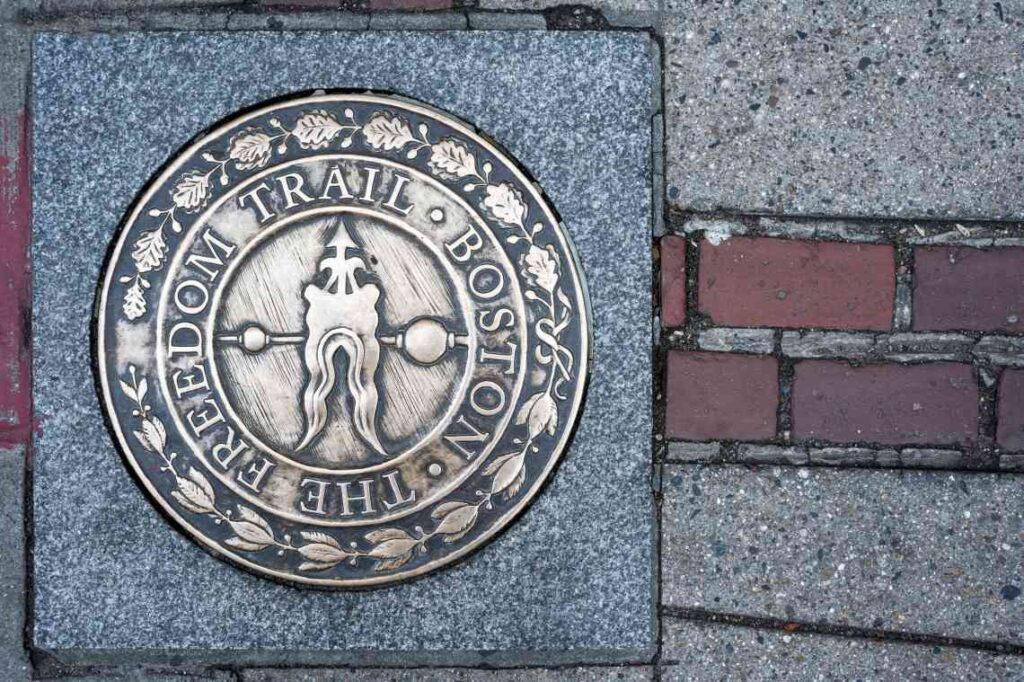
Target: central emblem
{"type": "Point", "coordinates": [342, 339]}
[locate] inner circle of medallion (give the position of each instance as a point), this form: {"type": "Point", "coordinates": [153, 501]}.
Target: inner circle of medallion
{"type": "Point", "coordinates": [289, 469]}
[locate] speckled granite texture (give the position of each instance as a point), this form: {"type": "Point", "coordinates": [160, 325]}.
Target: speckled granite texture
{"type": "Point", "coordinates": [572, 580]}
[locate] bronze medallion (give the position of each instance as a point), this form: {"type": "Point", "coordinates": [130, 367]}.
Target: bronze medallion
{"type": "Point", "coordinates": [342, 339]}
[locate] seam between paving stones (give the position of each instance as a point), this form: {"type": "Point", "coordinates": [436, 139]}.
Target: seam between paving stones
{"type": "Point", "coordinates": [820, 628]}
{"type": "Point", "coordinates": [658, 352]}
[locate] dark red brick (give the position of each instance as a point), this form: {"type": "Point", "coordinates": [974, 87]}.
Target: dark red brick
{"type": "Point", "coordinates": [673, 281]}
{"type": "Point", "coordinates": [755, 282]}
{"type": "Point", "coordinates": [15, 231]}
{"type": "Point", "coordinates": [720, 396]}
{"type": "Point", "coordinates": [1010, 434]}
{"type": "Point", "coordinates": [930, 404]}
{"type": "Point", "coordinates": [971, 289]}
{"type": "Point", "coordinates": [411, 4]}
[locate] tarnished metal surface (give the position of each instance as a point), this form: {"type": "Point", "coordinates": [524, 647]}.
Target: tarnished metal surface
{"type": "Point", "coordinates": [342, 339]}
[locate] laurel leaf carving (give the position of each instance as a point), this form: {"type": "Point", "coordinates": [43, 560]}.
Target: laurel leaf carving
{"type": "Point", "coordinates": [510, 475]}
{"type": "Point", "coordinates": [128, 390]}
{"type": "Point", "coordinates": [394, 548]}
{"type": "Point", "coordinates": [184, 502]}
{"type": "Point", "coordinates": [387, 133]}
{"type": "Point", "coordinates": [239, 543]}
{"type": "Point", "coordinates": [154, 433]}
{"type": "Point", "coordinates": [198, 491]}
{"type": "Point", "coordinates": [253, 527]}
{"type": "Point", "coordinates": [322, 538]}
{"type": "Point", "coordinates": [540, 413]}
{"type": "Point", "coordinates": [324, 553]}
{"type": "Point", "coordinates": [458, 519]}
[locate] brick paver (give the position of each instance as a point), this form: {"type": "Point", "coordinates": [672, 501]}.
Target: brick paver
{"type": "Point", "coordinates": [972, 289]}
{"type": "Point", "coordinates": [673, 281]}
{"type": "Point", "coordinates": [720, 395]}
{"type": "Point", "coordinates": [751, 282]}
{"type": "Point", "coordinates": [928, 404]}
{"type": "Point", "coordinates": [1010, 435]}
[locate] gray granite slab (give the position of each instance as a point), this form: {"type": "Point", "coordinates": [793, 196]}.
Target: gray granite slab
{"type": "Point", "coordinates": [936, 553]}
{"type": "Point", "coordinates": [571, 581]}
{"type": "Point", "coordinates": [14, 664]}
{"type": "Point", "coordinates": [705, 651]}
{"type": "Point", "coordinates": [595, 674]}
{"type": "Point", "coordinates": [845, 108]}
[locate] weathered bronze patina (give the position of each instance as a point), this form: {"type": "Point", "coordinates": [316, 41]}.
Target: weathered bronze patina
{"type": "Point", "coordinates": [342, 339]}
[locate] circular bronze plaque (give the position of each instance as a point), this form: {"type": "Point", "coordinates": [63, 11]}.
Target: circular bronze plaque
{"type": "Point", "coordinates": [342, 339]}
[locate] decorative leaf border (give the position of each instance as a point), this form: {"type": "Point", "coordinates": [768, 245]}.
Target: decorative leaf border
{"type": "Point", "coordinates": [450, 159]}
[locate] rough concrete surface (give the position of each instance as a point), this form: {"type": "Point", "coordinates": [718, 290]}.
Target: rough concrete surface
{"type": "Point", "coordinates": [848, 109]}
{"type": "Point", "coordinates": [936, 553]}
{"type": "Point", "coordinates": [111, 576]}
{"type": "Point", "coordinates": [704, 651]}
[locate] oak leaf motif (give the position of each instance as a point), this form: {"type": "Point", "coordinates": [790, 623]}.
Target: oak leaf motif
{"type": "Point", "coordinates": [387, 133]}
{"type": "Point", "coordinates": [134, 305]}
{"type": "Point", "coordinates": [192, 191]}
{"type": "Point", "coordinates": [451, 159]}
{"type": "Point", "coordinates": [316, 129]}
{"type": "Point", "coordinates": [541, 266]}
{"type": "Point", "coordinates": [250, 149]}
{"type": "Point", "coordinates": [150, 251]}
{"type": "Point", "coordinates": [505, 204]}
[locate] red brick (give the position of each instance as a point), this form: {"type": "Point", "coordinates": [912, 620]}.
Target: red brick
{"type": "Point", "coordinates": [930, 404]}
{"type": "Point", "coordinates": [970, 289]}
{"type": "Point", "coordinates": [15, 231]}
{"type": "Point", "coordinates": [1010, 434]}
{"type": "Point", "coordinates": [724, 396]}
{"type": "Point", "coordinates": [411, 4]}
{"type": "Point", "coordinates": [673, 281]}
{"type": "Point", "coordinates": [755, 282]}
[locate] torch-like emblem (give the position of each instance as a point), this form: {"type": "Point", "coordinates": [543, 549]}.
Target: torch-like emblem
{"type": "Point", "coordinates": [341, 314]}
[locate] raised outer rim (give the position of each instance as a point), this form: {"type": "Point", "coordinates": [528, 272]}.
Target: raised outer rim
{"type": "Point", "coordinates": [505, 519]}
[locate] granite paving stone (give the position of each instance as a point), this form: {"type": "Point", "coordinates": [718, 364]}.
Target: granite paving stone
{"type": "Point", "coordinates": [111, 576]}
{"type": "Point", "coordinates": [620, 674]}
{"type": "Point", "coordinates": [14, 664]}
{"type": "Point", "coordinates": [846, 108]}
{"type": "Point", "coordinates": [707, 651]}
{"type": "Point", "coordinates": [928, 552]}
